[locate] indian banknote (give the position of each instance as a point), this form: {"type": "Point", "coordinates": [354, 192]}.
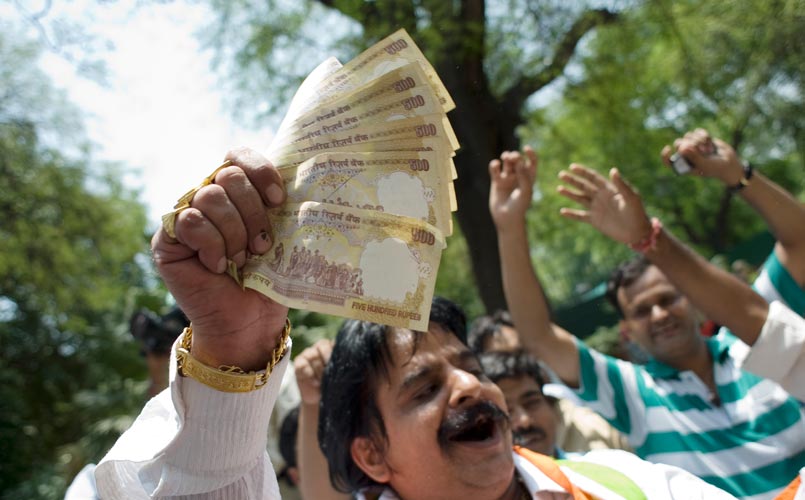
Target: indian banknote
{"type": "Point", "coordinates": [409, 183]}
{"type": "Point", "coordinates": [350, 262]}
{"type": "Point", "coordinates": [397, 49]}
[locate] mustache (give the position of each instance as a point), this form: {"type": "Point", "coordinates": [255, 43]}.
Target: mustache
{"type": "Point", "coordinates": [460, 420]}
{"type": "Point", "coordinates": [521, 436]}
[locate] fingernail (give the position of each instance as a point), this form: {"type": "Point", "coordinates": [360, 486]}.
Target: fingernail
{"type": "Point", "coordinates": [274, 194]}
{"type": "Point", "coordinates": [221, 267]}
{"type": "Point", "coordinates": [240, 258]}
{"type": "Point", "coordinates": [261, 243]}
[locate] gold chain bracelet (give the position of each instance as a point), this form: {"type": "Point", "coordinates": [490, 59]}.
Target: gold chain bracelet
{"type": "Point", "coordinates": [227, 378]}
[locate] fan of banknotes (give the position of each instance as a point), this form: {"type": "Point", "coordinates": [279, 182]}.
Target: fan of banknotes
{"type": "Point", "coordinates": [365, 152]}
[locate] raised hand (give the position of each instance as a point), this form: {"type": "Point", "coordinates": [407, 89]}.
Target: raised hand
{"type": "Point", "coordinates": [227, 220]}
{"type": "Point", "coordinates": [709, 157]}
{"type": "Point", "coordinates": [512, 186]}
{"type": "Point", "coordinates": [309, 367]}
{"type": "Point", "coordinates": [612, 206]}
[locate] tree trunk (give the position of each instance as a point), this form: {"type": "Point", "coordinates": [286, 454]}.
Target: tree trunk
{"type": "Point", "coordinates": [485, 129]}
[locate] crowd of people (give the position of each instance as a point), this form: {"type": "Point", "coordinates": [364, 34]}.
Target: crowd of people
{"type": "Point", "coordinates": [513, 406]}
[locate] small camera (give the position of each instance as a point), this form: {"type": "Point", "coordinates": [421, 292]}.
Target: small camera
{"type": "Point", "coordinates": [680, 164]}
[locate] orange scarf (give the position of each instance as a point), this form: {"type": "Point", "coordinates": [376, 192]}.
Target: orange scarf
{"type": "Point", "coordinates": [549, 467]}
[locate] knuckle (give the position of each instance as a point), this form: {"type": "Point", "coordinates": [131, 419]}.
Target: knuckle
{"type": "Point", "coordinates": [191, 219]}
{"type": "Point", "coordinates": [231, 176]}
{"type": "Point", "coordinates": [209, 195]}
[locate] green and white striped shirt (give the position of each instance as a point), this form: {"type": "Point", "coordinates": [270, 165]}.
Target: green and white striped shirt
{"type": "Point", "coordinates": [751, 446]}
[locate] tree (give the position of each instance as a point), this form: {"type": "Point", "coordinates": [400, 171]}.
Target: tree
{"type": "Point", "coordinates": [492, 58]}
{"type": "Point", "coordinates": [72, 244]}
{"type": "Point", "coordinates": [668, 67]}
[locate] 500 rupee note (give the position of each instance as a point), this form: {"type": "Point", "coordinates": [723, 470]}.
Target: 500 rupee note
{"type": "Point", "coordinates": [394, 51]}
{"type": "Point", "coordinates": [350, 262]}
{"type": "Point", "coordinates": [407, 104]}
{"type": "Point", "coordinates": [406, 78]}
{"type": "Point", "coordinates": [409, 183]}
{"type": "Point", "coordinates": [418, 127]}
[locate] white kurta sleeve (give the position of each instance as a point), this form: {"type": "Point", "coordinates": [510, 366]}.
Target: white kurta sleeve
{"type": "Point", "coordinates": [779, 352]}
{"type": "Point", "coordinates": [192, 441]}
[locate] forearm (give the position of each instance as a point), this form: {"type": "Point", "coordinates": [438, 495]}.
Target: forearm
{"type": "Point", "coordinates": [721, 296]}
{"type": "Point", "coordinates": [313, 469]}
{"type": "Point", "coordinates": [785, 217]}
{"type": "Point", "coordinates": [529, 308]}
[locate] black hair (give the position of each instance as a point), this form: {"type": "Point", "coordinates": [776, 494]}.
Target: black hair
{"type": "Point", "coordinates": [361, 358]}
{"type": "Point", "coordinates": [500, 365]}
{"type": "Point", "coordinates": [287, 442]}
{"type": "Point", "coordinates": [625, 274]}
{"type": "Point", "coordinates": [485, 327]}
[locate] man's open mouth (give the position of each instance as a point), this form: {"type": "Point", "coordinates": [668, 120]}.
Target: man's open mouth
{"type": "Point", "coordinates": [481, 429]}
{"type": "Point", "coordinates": [475, 424]}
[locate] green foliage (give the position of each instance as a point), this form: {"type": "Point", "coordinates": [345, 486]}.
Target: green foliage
{"type": "Point", "coordinates": [454, 280]}
{"type": "Point", "coordinates": [70, 237]}
{"type": "Point", "coordinates": [668, 67]}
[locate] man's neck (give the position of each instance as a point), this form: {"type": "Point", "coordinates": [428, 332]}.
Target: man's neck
{"type": "Point", "coordinates": [700, 362]}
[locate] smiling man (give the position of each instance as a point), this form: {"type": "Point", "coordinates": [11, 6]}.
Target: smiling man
{"type": "Point", "coordinates": [534, 417]}
{"type": "Point", "coordinates": [692, 405]}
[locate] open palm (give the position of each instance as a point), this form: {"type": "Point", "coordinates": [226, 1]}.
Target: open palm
{"type": "Point", "coordinates": [612, 207]}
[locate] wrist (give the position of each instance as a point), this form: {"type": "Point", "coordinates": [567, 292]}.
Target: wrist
{"type": "Point", "coordinates": [745, 178]}
{"type": "Point", "coordinates": [651, 231]}
{"type": "Point", "coordinates": [250, 349]}
{"type": "Point", "coordinates": [224, 377]}
{"type": "Point", "coordinates": [733, 173]}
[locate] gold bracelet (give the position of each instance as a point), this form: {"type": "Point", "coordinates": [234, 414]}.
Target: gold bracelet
{"type": "Point", "coordinates": [227, 378]}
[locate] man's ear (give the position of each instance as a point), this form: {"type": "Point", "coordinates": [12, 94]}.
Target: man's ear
{"type": "Point", "coordinates": [370, 459]}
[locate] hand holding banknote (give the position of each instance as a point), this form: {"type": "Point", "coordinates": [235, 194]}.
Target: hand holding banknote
{"type": "Point", "coordinates": [227, 221]}
{"type": "Point", "coordinates": [365, 157]}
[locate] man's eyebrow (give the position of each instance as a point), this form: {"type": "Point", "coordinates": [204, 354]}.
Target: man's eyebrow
{"type": "Point", "coordinates": [415, 377]}
{"type": "Point", "coordinates": [465, 357]}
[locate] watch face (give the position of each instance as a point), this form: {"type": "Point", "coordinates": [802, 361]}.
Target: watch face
{"type": "Point", "coordinates": [680, 164]}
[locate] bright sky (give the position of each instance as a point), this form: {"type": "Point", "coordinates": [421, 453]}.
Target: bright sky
{"type": "Point", "coordinates": [162, 113]}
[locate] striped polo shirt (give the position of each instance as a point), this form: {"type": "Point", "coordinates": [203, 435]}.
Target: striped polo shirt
{"type": "Point", "coordinates": [775, 283]}
{"type": "Point", "coordinates": [751, 446]}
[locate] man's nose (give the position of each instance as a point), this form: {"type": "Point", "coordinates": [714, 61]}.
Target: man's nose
{"type": "Point", "coordinates": [464, 386]}
{"type": "Point", "coordinates": [658, 313]}
{"type": "Point", "coordinates": [519, 419]}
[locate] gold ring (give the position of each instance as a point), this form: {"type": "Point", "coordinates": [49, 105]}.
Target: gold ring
{"type": "Point", "coordinates": [169, 219]}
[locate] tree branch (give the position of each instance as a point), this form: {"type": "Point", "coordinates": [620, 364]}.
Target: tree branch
{"type": "Point", "coordinates": [564, 51]}
{"type": "Point", "coordinates": [692, 235]}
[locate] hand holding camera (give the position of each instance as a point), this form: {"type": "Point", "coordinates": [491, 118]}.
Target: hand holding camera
{"type": "Point", "coordinates": [699, 153]}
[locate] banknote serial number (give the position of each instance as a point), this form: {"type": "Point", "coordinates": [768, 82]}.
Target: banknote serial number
{"type": "Point", "coordinates": [396, 46]}
{"type": "Point", "coordinates": [422, 236]}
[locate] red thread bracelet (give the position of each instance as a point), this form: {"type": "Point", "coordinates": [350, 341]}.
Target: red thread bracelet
{"type": "Point", "coordinates": [650, 241]}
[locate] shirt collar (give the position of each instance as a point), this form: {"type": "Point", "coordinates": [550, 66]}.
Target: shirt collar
{"type": "Point", "coordinates": [718, 345]}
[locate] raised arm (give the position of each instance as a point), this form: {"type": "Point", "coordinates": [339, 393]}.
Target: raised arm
{"type": "Point", "coordinates": [314, 476]}
{"type": "Point", "coordinates": [785, 216]}
{"type": "Point", "coordinates": [616, 210]}
{"type": "Point", "coordinates": [193, 439]}
{"type": "Point", "coordinates": [513, 178]}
